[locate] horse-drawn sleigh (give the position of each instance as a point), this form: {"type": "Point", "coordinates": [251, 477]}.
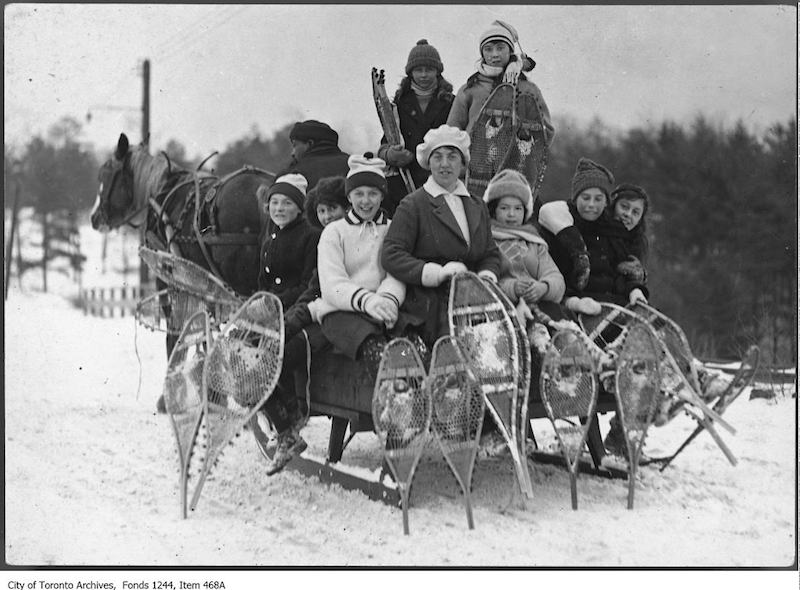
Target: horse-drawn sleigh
{"type": "Point", "coordinates": [225, 350]}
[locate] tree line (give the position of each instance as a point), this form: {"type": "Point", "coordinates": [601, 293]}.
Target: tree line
{"type": "Point", "coordinates": [722, 223]}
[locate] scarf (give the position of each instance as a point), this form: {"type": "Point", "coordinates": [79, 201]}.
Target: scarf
{"type": "Point", "coordinates": [419, 91]}
{"type": "Point", "coordinates": [501, 231]}
{"type": "Point", "coordinates": [490, 71]}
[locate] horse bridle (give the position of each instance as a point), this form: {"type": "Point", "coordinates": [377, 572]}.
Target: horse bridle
{"type": "Point", "coordinates": [118, 169]}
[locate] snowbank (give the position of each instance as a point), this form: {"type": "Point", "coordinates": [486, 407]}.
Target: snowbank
{"type": "Point", "coordinates": [91, 480]}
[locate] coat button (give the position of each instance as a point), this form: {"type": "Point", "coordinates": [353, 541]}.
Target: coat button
{"type": "Point", "coordinates": [266, 268]}
{"type": "Point", "coordinates": [278, 281]}
{"type": "Point", "coordinates": [273, 236]}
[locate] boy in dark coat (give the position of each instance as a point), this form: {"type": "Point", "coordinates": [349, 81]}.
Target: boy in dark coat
{"type": "Point", "coordinates": [423, 103]}
{"type": "Point", "coordinates": [288, 243]}
{"type": "Point", "coordinates": [315, 152]}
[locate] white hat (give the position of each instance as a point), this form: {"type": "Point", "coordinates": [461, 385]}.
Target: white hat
{"type": "Point", "coordinates": [293, 186]}
{"type": "Point", "coordinates": [510, 183]}
{"type": "Point", "coordinates": [366, 170]}
{"type": "Point", "coordinates": [444, 135]}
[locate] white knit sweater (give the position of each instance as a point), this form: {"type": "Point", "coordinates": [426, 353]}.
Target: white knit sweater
{"type": "Point", "coordinates": [349, 266]}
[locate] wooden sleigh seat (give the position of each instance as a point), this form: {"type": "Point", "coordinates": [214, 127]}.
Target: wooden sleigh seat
{"type": "Point", "coordinates": [342, 390]}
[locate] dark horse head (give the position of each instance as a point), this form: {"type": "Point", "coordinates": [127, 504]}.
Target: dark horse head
{"type": "Point", "coordinates": [136, 187]}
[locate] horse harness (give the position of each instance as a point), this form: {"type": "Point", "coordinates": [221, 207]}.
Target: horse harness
{"type": "Point", "coordinates": [201, 204]}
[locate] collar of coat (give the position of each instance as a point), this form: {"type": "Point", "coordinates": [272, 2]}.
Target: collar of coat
{"type": "Point", "coordinates": [353, 218]}
{"type": "Point", "coordinates": [434, 188]}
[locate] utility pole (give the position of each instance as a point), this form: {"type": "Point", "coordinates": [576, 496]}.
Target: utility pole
{"type": "Point", "coordinates": [15, 174]}
{"type": "Point", "coordinates": [144, 278]}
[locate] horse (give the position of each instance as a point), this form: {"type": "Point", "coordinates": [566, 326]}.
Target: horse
{"type": "Point", "coordinates": [213, 222]}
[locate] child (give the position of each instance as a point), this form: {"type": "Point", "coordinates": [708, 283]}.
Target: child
{"type": "Point", "coordinates": [502, 60]}
{"type": "Point", "coordinates": [438, 231]}
{"type": "Point", "coordinates": [288, 243]}
{"type": "Point", "coordinates": [423, 102]}
{"type": "Point", "coordinates": [528, 273]}
{"type": "Point", "coordinates": [629, 205]}
{"type": "Point", "coordinates": [606, 240]}
{"type": "Point", "coordinates": [288, 262]}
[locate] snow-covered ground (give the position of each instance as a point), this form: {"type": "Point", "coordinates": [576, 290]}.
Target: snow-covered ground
{"type": "Point", "coordinates": [91, 478]}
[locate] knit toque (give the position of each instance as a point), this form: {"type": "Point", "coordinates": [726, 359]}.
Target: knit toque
{"type": "Point", "coordinates": [291, 185]}
{"type": "Point", "coordinates": [497, 32]}
{"type": "Point", "coordinates": [313, 130]}
{"type": "Point", "coordinates": [366, 170]}
{"type": "Point", "coordinates": [510, 183]}
{"type": "Point", "coordinates": [590, 174]}
{"type": "Point", "coordinates": [444, 135]}
{"type": "Point", "coordinates": [423, 54]}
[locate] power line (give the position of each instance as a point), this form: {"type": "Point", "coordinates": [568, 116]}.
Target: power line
{"type": "Point", "coordinates": [201, 37]}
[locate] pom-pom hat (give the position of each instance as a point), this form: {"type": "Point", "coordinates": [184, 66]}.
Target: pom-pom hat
{"type": "Point", "coordinates": [444, 135]}
{"type": "Point", "coordinates": [313, 130]}
{"type": "Point", "coordinates": [497, 32]}
{"type": "Point", "coordinates": [423, 54]}
{"type": "Point", "coordinates": [510, 183]}
{"type": "Point", "coordinates": [589, 174]}
{"type": "Point", "coordinates": [366, 170]}
{"type": "Point", "coordinates": [291, 185]}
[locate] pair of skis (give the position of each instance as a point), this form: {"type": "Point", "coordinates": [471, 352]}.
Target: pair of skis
{"type": "Point", "coordinates": [410, 404]}
{"type": "Point", "coordinates": [389, 121]}
{"type": "Point", "coordinates": [508, 133]}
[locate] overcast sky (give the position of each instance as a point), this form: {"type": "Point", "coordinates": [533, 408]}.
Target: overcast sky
{"type": "Point", "coordinates": [219, 70]}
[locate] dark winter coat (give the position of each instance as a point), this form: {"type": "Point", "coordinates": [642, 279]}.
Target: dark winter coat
{"type": "Point", "coordinates": [607, 245]}
{"type": "Point", "coordinates": [425, 230]}
{"type": "Point", "coordinates": [321, 160]}
{"type": "Point", "coordinates": [288, 259]}
{"type": "Point", "coordinates": [414, 124]}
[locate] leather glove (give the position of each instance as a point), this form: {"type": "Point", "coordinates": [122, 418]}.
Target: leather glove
{"type": "Point", "coordinates": [398, 156]}
{"type": "Point", "coordinates": [632, 269]}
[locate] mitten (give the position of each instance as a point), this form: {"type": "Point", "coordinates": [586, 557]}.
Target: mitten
{"type": "Point", "coordinates": [571, 240]}
{"type": "Point", "coordinates": [398, 156]}
{"type": "Point", "coordinates": [636, 295]}
{"type": "Point", "coordinates": [450, 269]}
{"type": "Point", "coordinates": [632, 269]}
{"type": "Point", "coordinates": [585, 305]}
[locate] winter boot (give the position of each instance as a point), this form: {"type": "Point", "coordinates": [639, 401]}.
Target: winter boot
{"type": "Point", "coordinates": [614, 442]}
{"type": "Point", "coordinates": [289, 445]}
